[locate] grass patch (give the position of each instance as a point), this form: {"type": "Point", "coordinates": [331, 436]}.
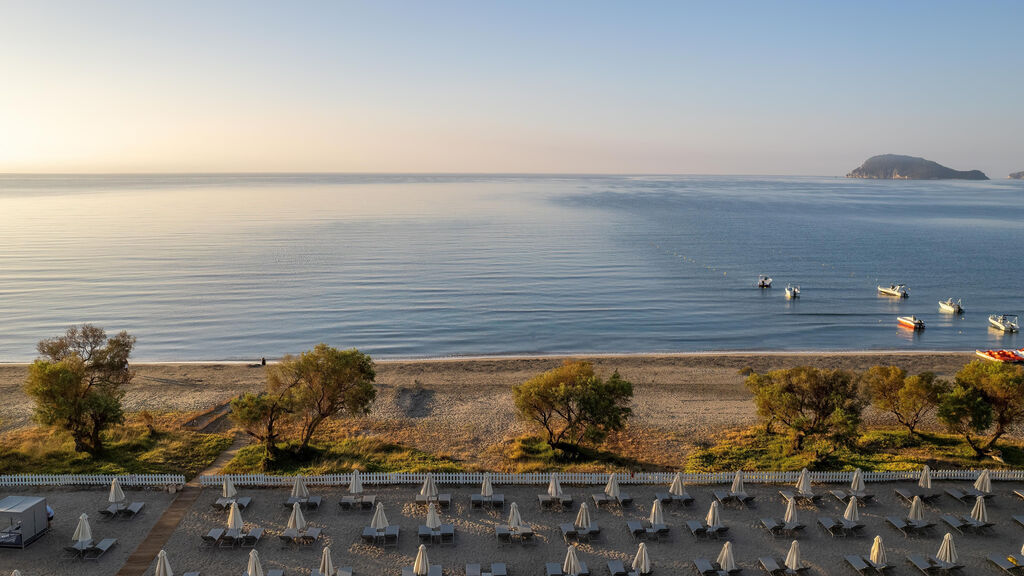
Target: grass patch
{"type": "Point", "coordinates": [534, 454]}
{"type": "Point", "coordinates": [129, 449]}
{"type": "Point", "coordinates": [879, 449]}
{"type": "Point", "coordinates": [366, 454]}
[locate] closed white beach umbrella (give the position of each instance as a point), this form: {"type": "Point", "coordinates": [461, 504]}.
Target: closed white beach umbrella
{"type": "Point", "coordinates": [803, 484]}
{"type": "Point", "coordinates": [793, 557]}
{"type": "Point", "coordinates": [737, 483]}
{"type": "Point", "coordinates": [486, 490]}
{"type": "Point", "coordinates": [254, 568]}
{"type": "Point", "coordinates": [642, 562]}
{"type": "Point", "coordinates": [299, 489]}
{"type": "Point", "coordinates": [947, 551]}
{"type": "Point", "coordinates": [227, 488]}
{"type": "Point", "coordinates": [379, 521]}
{"type": "Point", "coordinates": [422, 564]}
{"type": "Point", "coordinates": [571, 565]}
{"type": "Point", "coordinates": [235, 517]}
{"type": "Point", "coordinates": [163, 565]}
{"type": "Point", "coordinates": [857, 482]}
{"type": "Point", "coordinates": [429, 488]}
{"type": "Point", "coordinates": [677, 488]}
{"type": "Point", "coordinates": [327, 563]}
{"type": "Point", "coordinates": [852, 512]}
{"type": "Point", "coordinates": [790, 517]}
{"type": "Point", "coordinates": [83, 533]}
{"type": "Point", "coordinates": [583, 516]}
{"type": "Point", "coordinates": [116, 495]}
{"type": "Point", "coordinates": [15, 573]}
{"type": "Point", "coordinates": [878, 551]}
{"type": "Point", "coordinates": [297, 521]}
{"type": "Point", "coordinates": [514, 520]}
{"type": "Point", "coordinates": [355, 485]}
{"type": "Point", "coordinates": [657, 516]}
{"type": "Point", "coordinates": [712, 517]}
{"type": "Point", "coordinates": [725, 558]}
{"type": "Point", "coordinates": [926, 478]}
{"type": "Point", "coordinates": [433, 520]}
{"type": "Point", "coordinates": [554, 487]}
{"type": "Point", "coordinates": [979, 512]}
{"type": "Point", "coordinates": [984, 482]}
{"type": "Point", "coordinates": [916, 513]}
{"type": "Point", "coordinates": [611, 489]}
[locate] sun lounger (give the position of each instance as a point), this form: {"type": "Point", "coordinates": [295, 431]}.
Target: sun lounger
{"type": "Point", "coordinates": [1007, 563]}
{"type": "Point", "coordinates": [968, 495]}
{"type": "Point", "coordinates": [275, 572]}
{"type": "Point", "coordinates": [229, 538]}
{"type": "Point", "coordinates": [600, 499]}
{"type": "Point", "coordinates": [831, 526]}
{"type": "Point", "coordinates": [190, 574]}
{"type": "Point", "coordinates": [442, 500]}
{"type": "Point", "coordinates": [931, 565]}
{"type": "Point", "coordinates": [252, 538]}
{"type": "Point", "coordinates": [858, 563]}
{"type": "Point", "coordinates": [850, 527]}
{"type": "Point", "coordinates": [96, 551]}
{"type": "Point", "coordinates": [310, 537]}
{"type": "Point", "coordinates": [954, 522]}
{"type": "Point", "coordinates": [211, 537]}
{"type": "Point", "coordinates": [697, 527]}
{"type": "Point", "coordinates": [1019, 493]}
{"type": "Point", "coordinates": [569, 532]}
{"type": "Point", "coordinates": [800, 497]}
{"type": "Point", "coordinates": [473, 570]}
{"type": "Point", "coordinates": [499, 569]}
{"type": "Point", "coordinates": [616, 568]}
{"type": "Point", "coordinates": [362, 502]}
{"type": "Point", "coordinates": [666, 498]}
{"type": "Point", "coordinates": [311, 503]}
{"type": "Point", "coordinates": [75, 550]}
{"type": "Point", "coordinates": [132, 510]}
{"type": "Point", "coordinates": [435, 570]}
{"type": "Point", "coordinates": [369, 535]}
{"type": "Point", "coordinates": [109, 512]}
{"type": "Point", "coordinates": [391, 536]}
{"type": "Point", "coordinates": [624, 499]}
{"type": "Point", "coordinates": [503, 534]}
{"type": "Point", "coordinates": [555, 569]}
{"type": "Point", "coordinates": [289, 537]}
{"type": "Point", "coordinates": [843, 496]}
{"type": "Point", "coordinates": [706, 567]}
{"type": "Point", "coordinates": [774, 528]}
{"type": "Point", "coordinates": [636, 529]}
{"type": "Point", "coordinates": [479, 501]}
{"type": "Point", "coordinates": [908, 494]}
{"type": "Point", "coordinates": [724, 497]}
{"type": "Point", "coordinates": [771, 566]}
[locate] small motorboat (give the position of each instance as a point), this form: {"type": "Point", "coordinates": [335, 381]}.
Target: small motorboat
{"type": "Point", "coordinates": [764, 281]}
{"type": "Point", "coordinates": [1008, 356]}
{"type": "Point", "coordinates": [1004, 322]}
{"type": "Point", "coordinates": [950, 307]}
{"type": "Point", "coordinates": [792, 292]}
{"type": "Point", "coordinates": [897, 290]}
{"type": "Point", "coordinates": [912, 322]}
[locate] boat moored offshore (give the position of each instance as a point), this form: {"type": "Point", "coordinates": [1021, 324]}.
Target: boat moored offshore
{"type": "Point", "coordinates": [912, 322]}
{"type": "Point", "coordinates": [950, 307]}
{"type": "Point", "coordinates": [897, 290]}
{"type": "Point", "coordinates": [792, 292]}
{"type": "Point", "coordinates": [1004, 322]}
{"type": "Point", "coordinates": [764, 281]}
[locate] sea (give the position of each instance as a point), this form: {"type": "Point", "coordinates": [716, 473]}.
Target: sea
{"type": "Point", "coordinates": [234, 267]}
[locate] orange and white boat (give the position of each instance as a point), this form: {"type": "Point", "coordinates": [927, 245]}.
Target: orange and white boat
{"type": "Point", "coordinates": [912, 322]}
{"type": "Point", "coordinates": [1009, 356]}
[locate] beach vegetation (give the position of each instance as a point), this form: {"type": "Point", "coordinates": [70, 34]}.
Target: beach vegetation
{"type": "Point", "coordinates": [909, 398]}
{"type": "Point", "coordinates": [572, 405]}
{"type": "Point", "coordinates": [986, 402]}
{"type": "Point", "coordinates": [368, 454]}
{"type": "Point", "coordinates": [78, 383]}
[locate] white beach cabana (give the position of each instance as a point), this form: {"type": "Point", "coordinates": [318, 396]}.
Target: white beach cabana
{"type": "Point", "coordinates": [852, 512]}
{"type": "Point", "coordinates": [793, 561]}
{"type": "Point", "coordinates": [725, 558]}
{"type": "Point", "coordinates": [572, 566]}
{"type": "Point", "coordinates": [327, 563]}
{"type": "Point", "coordinates": [877, 556]}
{"type": "Point", "coordinates": [235, 517]}
{"type": "Point", "coordinates": [379, 521]}
{"type": "Point", "coordinates": [642, 562]}
{"type": "Point", "coordinates": [163, 565]}
{"type": "Point", "coordinates": [433, 520]}
{"type": "Point", "coordinates": [83, 532]}
{"type": "Point", "coordinates": [297, 521]}
{"type": "Point", "coordinates": [583, 517]}
{"type": "Point", "coordinates": [947, 550]}
{"type": "Point", "coordinates": [255, 568]}
{"type": "Point", "coordinates": [422, 564]}
{"type": "Point", "coordinates": [299, 489]}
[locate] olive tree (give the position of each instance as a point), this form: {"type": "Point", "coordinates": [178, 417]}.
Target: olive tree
{"type": "Point", "coordinates": [908, 398]}
{"type": "Point", "coordinates": [987, 400]}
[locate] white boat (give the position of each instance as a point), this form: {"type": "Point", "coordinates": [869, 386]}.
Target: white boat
{"type": "Point", "coordinates": [897, 290]}
{"type": "Point", "coordinates": [1004, 322]}
{"type": "Point", "coordinates": [792, 292]}
{"type": "Point", "coordinates": [951, 307]}
{"type": "Point", "coordinates": [764, 281]}
{"type": "Point", "coordinates": [912, 322]}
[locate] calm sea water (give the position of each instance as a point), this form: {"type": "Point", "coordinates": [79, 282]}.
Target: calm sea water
{"type": "Point", "coordinates": [223, 267]}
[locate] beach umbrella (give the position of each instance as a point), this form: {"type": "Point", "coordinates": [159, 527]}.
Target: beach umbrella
{"type": "Point", "coordinates": [803, 485]}
{"type": "Point", "coordinates": [878, 552]}
{"type": "Point", "coordinates": [299, 489]}
{"type": "Point", "coordinates": [852, 513]}
{"type": "Point", "coordinates": [725, 559]}
{"type": "Point", "coordinates": [790, 517]}
{"type": "Point", "coordinates": [554, 487]}
{"type": "Point", "coordinates": [379, 521]}
{"type": "Point", "coordinates": [429, 488]}
{"type": "Point", "coordinates": [916, 513]}
{"type": "Point", "coordinates": [611, 489]}
{"type": "Point", "coordinates": [712, 518]}
{"type": "Point", "coordinates": [793, 558]}
{"type": "Point", "coordinates": [355, 485]}
{"type": "Point", "coordinates": [255, 568]}
{"type": "Point", "coordinates": [984, 482]}
{"type": "Point", "coordinates": [857, 482]}
{"type": "Point", "coordinates": [15, 573]}
{"type": "Point", "coordinates": [163, 565]}
{"type": "Point", "coordinates": [676, 488]}
{"type": "Point", "coordinates": [422, 564]}
{"type": "Point", "coordinates": [116, 494]}
{"type": "Point", "coordinates": [235, 517]}
{"type": "Point", "coordinates": [514, 520]}
{"type": "Point", "coordinates": [656, 517]}
{"type": "Point", "coordinates": [583, 516]}
{"type": "Point", "coordinates": [737, 483]}
{"type": "Point", "coordinates": [486, 490]}
{"type": "Point", "coordinates": [926, 478]}
{"type": "Point", "coordinates": [433, 520]}
{"type": "Point", "coordinates": [227, 489]}
{"type": "Point", "coordinates": [642, 562]}
{"type": "Point", "coordinates": [571, 565]}
{"type": "Point", "coordinates": [326, 563]}
{"type": "Point", "coordinates": [979, 512]}
{"type": "Point", "coordinates": [947, 551]}
{"type": "Point", "coordinates": [297, 521]}
{"type": "Point", "coordinates": [83, 533]}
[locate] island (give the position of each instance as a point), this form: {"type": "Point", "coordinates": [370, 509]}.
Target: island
{"type": "Point", "coordinates": [1017, 175]}
{"type": "Point", "coordinates": [898, 167]}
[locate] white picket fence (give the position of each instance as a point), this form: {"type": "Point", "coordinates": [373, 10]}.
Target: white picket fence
{"type": "Point", "coordinates": [580, 478]}
{"type": "Point", "coordinates": [126, 480]}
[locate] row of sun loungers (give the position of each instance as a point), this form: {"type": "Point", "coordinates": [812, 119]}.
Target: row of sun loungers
{"type": "Point", "coordinates": [617, 568]}
{"type": "Point", "coordinates": [225, 503]}
{"type": "Point", "coordinates": [387, 537]}
{"type": "Point", "coordinates": [666, 498]}
{"type": "Point", "coordinates": [1010, 563]}
{"type": "Point", "coordinates": [364, 502]}
{"type": "Point", "coordinates": [221, 538]}
{"type": "Point", "coordinates": [90, 551]}
{"type": "Point", "coordinates": [844, 496]}
{"type": "Point", "coordinates": [524, 535]}
{"type": "Point", "coordinates": [863, 565]}
{"type": "Point", "coordinates": [700, 528]}
{"type": "Point", "coordinates": [707, 567]}
{"type": "Point", "coordinates": [116, 511]}
{"type": "Point", "coordinates": [777, 568]}
{"type": "Point", "coordinates": [292, 537]}
{"type": "Point", "coordinates": [931, 565]}
{"type": "Point", "coordinates": [907, 527]}
{"type": "Point", "coordinates": [725, 497]}
{"type": "Point", "coordinates": [442, 500]}
{"type": "Point", "coordinates": [479, 501]}
{"type": "Point", "coordinates": [909, 494]}
{"type": "Point", "coordinates": [311, 503]}
{"type": "Point", "coordinates": [571, 532]}
{"type": "Point", "coordinates": [960, 523]}
{"type": "Point", "coordinates": [968, 494]}
{"type": "Point", "coordinates": [547, 501]}
{"type": "Point", "coordinates": [799, 497]}
{"type": "Point", "coordinates": [443, 535]}
{"type": "Point", "coordinates": [779, 528]}
{"type": "Point", "coordinates": [839, 526]}
{"type": "Point", "coordinates": [641, 530]}
{"type": "Point", "coordinates": [435, 570]}
{"type": "Point", "coordinates": [623, 499]}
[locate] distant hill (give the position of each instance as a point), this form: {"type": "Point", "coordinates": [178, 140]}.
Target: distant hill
{"type": "Point", "coordinates": [897, 167]}
{"type": "Point", "coordinates": [1017, 175]}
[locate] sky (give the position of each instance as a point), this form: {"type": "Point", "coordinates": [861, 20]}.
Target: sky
{"type": "Point", "coordinates": [724, 87]}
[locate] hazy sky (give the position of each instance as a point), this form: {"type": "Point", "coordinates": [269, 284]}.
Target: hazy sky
{"type": "Point", "coordinates": [478, 86]}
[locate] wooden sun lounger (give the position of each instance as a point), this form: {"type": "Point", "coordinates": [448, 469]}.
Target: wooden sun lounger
{"type": "Point", "coordinates": [1010, 563]}
{"type": "Point", "coordinates": [96, 551]}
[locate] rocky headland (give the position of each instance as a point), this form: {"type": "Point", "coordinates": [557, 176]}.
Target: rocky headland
{"type": "Point", "coordinates": [898, 167]}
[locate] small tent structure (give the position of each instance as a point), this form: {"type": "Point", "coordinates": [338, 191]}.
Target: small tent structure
{"type": "Point", "coordinates": [22, 520]}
